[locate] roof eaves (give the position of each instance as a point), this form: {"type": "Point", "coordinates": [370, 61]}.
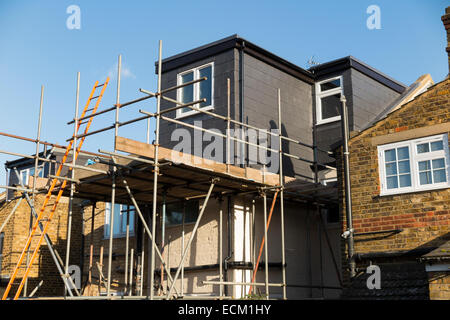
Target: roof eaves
{"type": "Point", "coordinates": [229, 43]}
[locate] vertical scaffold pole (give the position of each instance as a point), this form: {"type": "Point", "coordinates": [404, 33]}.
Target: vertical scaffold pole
{"type": "Point", "coordinates": [266, 254]}
{"type": "Point", "coordinates": [113, 185]}
{"type": "Point", "coordinates": [127, 244]}
{"type": "Point", "coordinates": [155, 175]}
{"type": "Point", "coordinates": [283, 255]}
{"type": "Point", "coordinates": [220, 248]}
{"type": "Point", "coordinates": [36, 162]}
{"type": "Point", "coordinates": [163, 236]}
{"type": "Point", "coordinates": [72, 187]}
{"type": "Point", "coordinates": [182, 247]}
{"type": "Point", "coordinates": [228, 124]}
{"type": "Point", "coordinates": [116, 124]}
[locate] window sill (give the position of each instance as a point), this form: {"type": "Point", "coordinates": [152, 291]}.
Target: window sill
{"type": "Point", "coordinates": [193, 112]}
{"type": "Point", "coordinates": [330, 120]}
{"type": "Point", "coordinates": [400, 192]}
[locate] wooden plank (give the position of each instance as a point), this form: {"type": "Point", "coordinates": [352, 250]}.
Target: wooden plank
{"type": "Point", "coordinates": [147, 150]}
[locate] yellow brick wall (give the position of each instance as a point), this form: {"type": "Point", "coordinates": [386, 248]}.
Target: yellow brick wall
{"type": "Point", "coordinates": [423, 216]}
{"type": "Point", "coordinates": [16, 234]}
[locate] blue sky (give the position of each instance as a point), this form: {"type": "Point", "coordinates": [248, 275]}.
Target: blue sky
{"type": "Point", "coordinates": [36, 48]}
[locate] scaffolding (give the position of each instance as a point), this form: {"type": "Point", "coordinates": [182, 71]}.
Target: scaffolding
{"type": "Point", "coordinates": [122, 171]}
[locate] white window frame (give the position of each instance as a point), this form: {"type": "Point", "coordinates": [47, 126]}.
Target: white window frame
{"type": "Point", "coordinates": [41, 172]}
{"type": "Point", "coordinates": [414, 158]}
{"type": "Point", "coordinates": [323, 94]}
{"type": "Point", "coordinates": [196, 71]}
{"type": "Point", "coordinates": [107, 227]}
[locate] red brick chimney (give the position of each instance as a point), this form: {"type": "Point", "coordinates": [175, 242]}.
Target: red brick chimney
{"type": "Point", "coordinates": [446, 20]}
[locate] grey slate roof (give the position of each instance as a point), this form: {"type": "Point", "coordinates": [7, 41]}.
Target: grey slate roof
{"type": "Point", "coordinates": [399, 281]}
{"type": "Point", "coordinates": [438, 254]}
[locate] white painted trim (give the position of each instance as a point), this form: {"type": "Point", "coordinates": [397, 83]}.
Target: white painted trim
{"type": "Point", "coordinates": [323, 94]}
{"type": "Point", "coordinates": [241, 248]}
{"type": "Point", "coordinates": [196, 71]}
{"type": "Point", "coordinates": [414, 158]}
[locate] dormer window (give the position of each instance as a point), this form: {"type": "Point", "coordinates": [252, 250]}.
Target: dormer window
{"type": "Point", "coordinates": [200, 90]}
{"type": "Point", "coordinates": [328, 95]}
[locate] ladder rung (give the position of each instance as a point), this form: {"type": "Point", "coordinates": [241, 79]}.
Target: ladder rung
{"type": "Point", "coordinates": [100, 85]}
{"type": "Point", "coordinates": [95, 97]}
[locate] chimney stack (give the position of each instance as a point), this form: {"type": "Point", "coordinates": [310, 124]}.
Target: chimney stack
{"type": "Point", "coordinates": [446, 20]}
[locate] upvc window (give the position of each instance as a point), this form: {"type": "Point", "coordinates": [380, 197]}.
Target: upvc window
{"type": "Point", "coordinates": [25, 174]}
{"type": "Point", "coordinates": [196, 91]}
{"type": "Point", "coordinates": [328, 95]}
{"type": "Point", "coordinates": [120, 220]}
{"type": "Point", "coordinates": [174, 212]}
{"type": "Point", "coordinates": [414, 165]}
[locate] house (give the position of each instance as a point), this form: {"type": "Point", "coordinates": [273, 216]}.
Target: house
{"type": "Point", "coordinates": [243, 84]}
{"type": "Point", "coordinates": [400, 179]}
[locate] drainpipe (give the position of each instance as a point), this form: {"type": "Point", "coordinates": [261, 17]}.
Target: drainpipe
{"type": "Point", "coordinates": [241, 98]}
{"type": "Point", "coordinates": [348, 234]}
{"type": "Point", "coordinates": [230, 251]}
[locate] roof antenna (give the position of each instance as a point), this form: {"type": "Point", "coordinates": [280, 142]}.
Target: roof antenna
{"type": "Point", "coordinates": [311, 62]}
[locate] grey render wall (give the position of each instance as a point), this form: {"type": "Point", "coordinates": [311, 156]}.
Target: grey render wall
{"type": "Point", "coordinates": [330, 133]}
{"type": "Point", "coordinates": [261, 82]}
{"type": "Point", "coordinates": [366, 98]}
{"type": "Point", "coordinates": [224, 67]}
{"type": "Point", "coordinates": [369, 98]}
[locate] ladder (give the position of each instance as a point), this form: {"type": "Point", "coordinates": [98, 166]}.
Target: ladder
{"type": "Point", "coordinates": [47, 219]}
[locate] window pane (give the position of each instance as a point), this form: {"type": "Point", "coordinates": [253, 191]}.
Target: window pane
{"type": "Point", "coordinates": [403, 167]}
{"type": "Point", "coordinates": [117, 218]}
{"type": "Point", "coordinates": [206, 86]}
{"type": "Point", "coordinates": [24, 177]}
{"type": "Point", "coordinates": [405, 180]}
{"type": "Point", "coordinates": [439, 176]}
{"type": "Point", "coordinates": [423, 147]}
{"type": "Point", "coordinates": [107, 219]}
{"type": "Point", "coordinates": [437, 145]}
{"type": "Point", "coordinates": [132, 214]}
{"type": "Point", "coordinates": [424, 165]}
{"type": "Point", "coordinates": [403, 153]}
{"type": "Point", "coordinates": [330, 106]}
{"type": "Point", "coordinates": [438, 163]}
{"type": "Point", "coordinates": [391, 168]}
{"type": "Point", "coordinates": [425, 177]}
{"type": "Point", "coordinates": [392, 182]}
{"type": "Point", "coordinates": [389, 155]}
{"type": "Point", "coordinates": [174, 213]}
{"type": "Point", "coordinates": [123, 227]}
{"type": "Point", "coordinates": [336, 83]}
{"type": "Point", "coordinates": [187, 93]}
{"type": "Point", "coordinates": [46, 170]}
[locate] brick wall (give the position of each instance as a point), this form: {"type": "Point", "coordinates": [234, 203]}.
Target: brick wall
{"type": "Point", "coordinates": [16, 234]}
{"type": "Point", "coordinates": [423, 216]}
{"type": "Point", "coordinates": [439, 285]}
